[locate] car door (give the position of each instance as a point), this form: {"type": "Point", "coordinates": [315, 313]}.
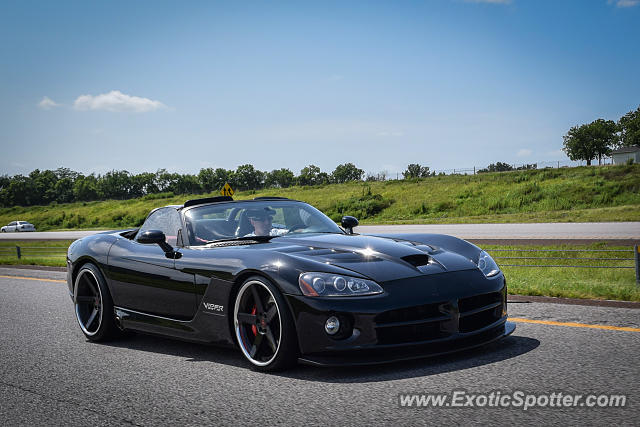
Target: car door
{"type": "Point", "coordinates": [143, 277]}
{"type": "Point", "coordinates": [13, 226]}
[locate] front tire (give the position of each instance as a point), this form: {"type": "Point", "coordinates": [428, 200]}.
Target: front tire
{"type": "Point", "coordinates": [93, 304]}
{"type": "Point", "coordinates": [264, 326]}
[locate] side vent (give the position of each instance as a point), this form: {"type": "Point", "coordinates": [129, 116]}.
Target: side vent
{"type": "Point", "coordinates": [417, 260]}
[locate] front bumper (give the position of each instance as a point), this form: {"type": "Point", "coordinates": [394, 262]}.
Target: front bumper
{"type": "Point", "coordinates": [416, 317]}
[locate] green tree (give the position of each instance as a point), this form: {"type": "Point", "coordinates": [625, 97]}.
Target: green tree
{"type": "Point", "coordinates": [415, 170]}
{"type": "Point", "coordinates": [346, 172]}
{"type": "Point", "coordinates": [309, 175]}
{"type": "Point", "coordinates": [144, 183]}
{"type": "Point", "coordinates": [19, 191]}
{"type": "Point", "coordinates": [223, 176]}
{"type": "Point", "coordinates": [85, 188]}
{"type": "Point", "coordinates": [114, 185]}
{"type": "Point", "coordinates": [206, 176]}
{"type": "Point", "coordinates": [604, 136]}
{"type": "Point", "coordinates": [590, 141]}
{"type": "Point", "coordinates": [64, 190]}
{"type": "Point", "coordinates": [4, 184]}
{"type": "Point", "coordinates": [43, 186]}
{"type": "Point", "coordinates": [280, 178]}
{"type": "Point", "coordinates": [212, 180]}
{"type": "Point", "coordinates": [66, 173]}
{"type": "Point", "coordinates": [577, 144]}
{"type": "Point", "coordinates": [323, 178]}
{"type": "Point", "coordinates": [248, 178]}
{"type": "Point", "coordinates": [629, 127]}
{"type": "Point", "coordinates": [186, 184]}
{"type": "Point", "coordinates": [497, 167]}
{"type": "Point", "coordinates": [164, 180]}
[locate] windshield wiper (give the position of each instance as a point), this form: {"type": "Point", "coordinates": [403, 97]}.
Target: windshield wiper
{"type": "Point", "coordinates": [243, 238]}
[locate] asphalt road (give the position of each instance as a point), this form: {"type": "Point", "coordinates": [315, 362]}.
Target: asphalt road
{"type": "Point", "coordinates": [51, 375]}
{"type": "Point", "coordinates": [540, 231]}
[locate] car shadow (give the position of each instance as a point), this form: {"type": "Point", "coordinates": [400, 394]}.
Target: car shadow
{"type": "Point", "coordinates": [507, 348]}
{"type": "Point", "coordinates": [192, 352]}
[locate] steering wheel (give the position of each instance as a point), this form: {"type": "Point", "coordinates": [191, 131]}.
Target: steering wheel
{"type": "Point", "coordinates": [297, 226]}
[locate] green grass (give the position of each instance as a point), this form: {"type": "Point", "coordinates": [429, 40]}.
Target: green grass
{"type": "Point", "coordinates": [49, 253]}
{"type": "Point", "coordinates": [588, 283]}
{"type": "Point", "coordinates": [567, 282]}
{"type": "Point", "coordinates": [585, 194]}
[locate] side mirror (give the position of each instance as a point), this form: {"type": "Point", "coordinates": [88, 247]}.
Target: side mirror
{"type": "Point", "coordinates": [348, 222]}
{"type": "Point", "coordinates": [157, 237]}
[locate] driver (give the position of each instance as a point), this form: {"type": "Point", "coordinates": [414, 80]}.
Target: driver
{"type": "Point", "coordinates": [261, 220]}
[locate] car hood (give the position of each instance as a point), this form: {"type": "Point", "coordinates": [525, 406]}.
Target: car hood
{"type": "Point", "coordinates": [377, 258]}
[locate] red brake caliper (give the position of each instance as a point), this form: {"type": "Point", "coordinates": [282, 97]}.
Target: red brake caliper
{"type": "Point", "coordinates": [254, 329]}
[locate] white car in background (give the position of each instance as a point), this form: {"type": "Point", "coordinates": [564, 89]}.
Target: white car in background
{"type": "Point", "coordinates": [18, 226]}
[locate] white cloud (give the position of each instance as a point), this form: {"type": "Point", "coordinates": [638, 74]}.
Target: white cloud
{"type": "Point", "coordinates": [624, 3]}
{"type": "Point", "coordinates": [47, 103]}
{"type": "Point", "coordinates": [524, 152]}
{"type": "Point", "coordinates": [116, 101]}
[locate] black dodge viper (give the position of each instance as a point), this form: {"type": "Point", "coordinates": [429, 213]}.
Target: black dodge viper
{"type": "Point", "coordinates": [284, 283]}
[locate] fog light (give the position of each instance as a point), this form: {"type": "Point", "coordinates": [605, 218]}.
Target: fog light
{"type": "Point", "coordinates": [332, 325]}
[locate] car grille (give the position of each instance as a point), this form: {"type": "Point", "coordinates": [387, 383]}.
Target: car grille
{"type": "Point", "coordinates": [480, 311]}
{"type": "Point", "coordinates": [420, 312]}
{"type": "Point", "coordinates": [439, 320]}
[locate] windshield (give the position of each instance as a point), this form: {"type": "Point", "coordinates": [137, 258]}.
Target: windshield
{"type": "Point", "coordinates": [223, 221]}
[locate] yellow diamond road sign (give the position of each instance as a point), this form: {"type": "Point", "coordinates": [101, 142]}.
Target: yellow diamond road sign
{"type": "Point", "coordinates": [227, 190]}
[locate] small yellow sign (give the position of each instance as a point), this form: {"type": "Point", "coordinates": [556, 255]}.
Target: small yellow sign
{"type": "Point", "coordinates": [227, 190]}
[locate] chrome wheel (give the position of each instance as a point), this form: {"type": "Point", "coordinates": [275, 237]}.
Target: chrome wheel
{"type": "Point", "coordinates": [87, 297]}
{"type": "Point", "coordinates": [258, 323]}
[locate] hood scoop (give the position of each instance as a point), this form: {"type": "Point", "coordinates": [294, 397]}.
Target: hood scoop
{"type": "Point", "coordinates": [417, 260]}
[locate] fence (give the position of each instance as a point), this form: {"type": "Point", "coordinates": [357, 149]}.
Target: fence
{"type": "Point", "coordinates": [635, 251]}
{"type": "Point", "coordinates": [472, 170]}
{"type": "Point", "coordinates": [59, 251]}
{"type": "Point", "coordinates": [33, 251]}
{"type": "Point", "coordinates": [553, 164]}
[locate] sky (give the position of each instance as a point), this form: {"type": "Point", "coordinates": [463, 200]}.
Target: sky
{"type": "Point", "coordinates": [96, 86]}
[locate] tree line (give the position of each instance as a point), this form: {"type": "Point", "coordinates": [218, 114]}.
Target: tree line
{"type": "Point", "coordinates": [584, 142]}
{"type": "Point", "coordinates": [64, 185]}
{"type": "Point", "coordinates": [599, 138]}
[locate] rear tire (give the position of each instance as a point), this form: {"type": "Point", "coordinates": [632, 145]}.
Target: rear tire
{"type": "Point", "coordinates": [264, 327]}
{"type": "Point", "coordinates": [93, 304]}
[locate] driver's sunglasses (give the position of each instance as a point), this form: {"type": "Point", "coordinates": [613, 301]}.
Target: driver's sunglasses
{"type": "Point", "coordinates": [266, 218]}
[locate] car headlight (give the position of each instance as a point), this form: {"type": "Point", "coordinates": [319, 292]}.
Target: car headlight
{"type": "Point", "coordinates": [487, 265]}
{"type": "Point", "coordinates": [336, 285]}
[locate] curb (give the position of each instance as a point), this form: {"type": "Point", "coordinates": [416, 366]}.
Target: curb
{"type": "Point", "coordinates": [573, 301]}
{"type": "Point", "coordinates": [33, 267]}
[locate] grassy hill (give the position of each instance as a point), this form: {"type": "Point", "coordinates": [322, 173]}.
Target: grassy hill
{"type": "Point", "coordinates": [585, 194]}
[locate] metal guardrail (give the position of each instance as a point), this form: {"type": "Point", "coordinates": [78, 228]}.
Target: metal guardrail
{"type": "Point", "coordinates": [58, 251]}
{"type": "Point", "coordinates": [21, 251]}
{"type": "Point", "coordinates": [635, 251]}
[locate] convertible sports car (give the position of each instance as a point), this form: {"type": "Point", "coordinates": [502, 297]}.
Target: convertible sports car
{"type": "Point", "coordinates": [284, 283]}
